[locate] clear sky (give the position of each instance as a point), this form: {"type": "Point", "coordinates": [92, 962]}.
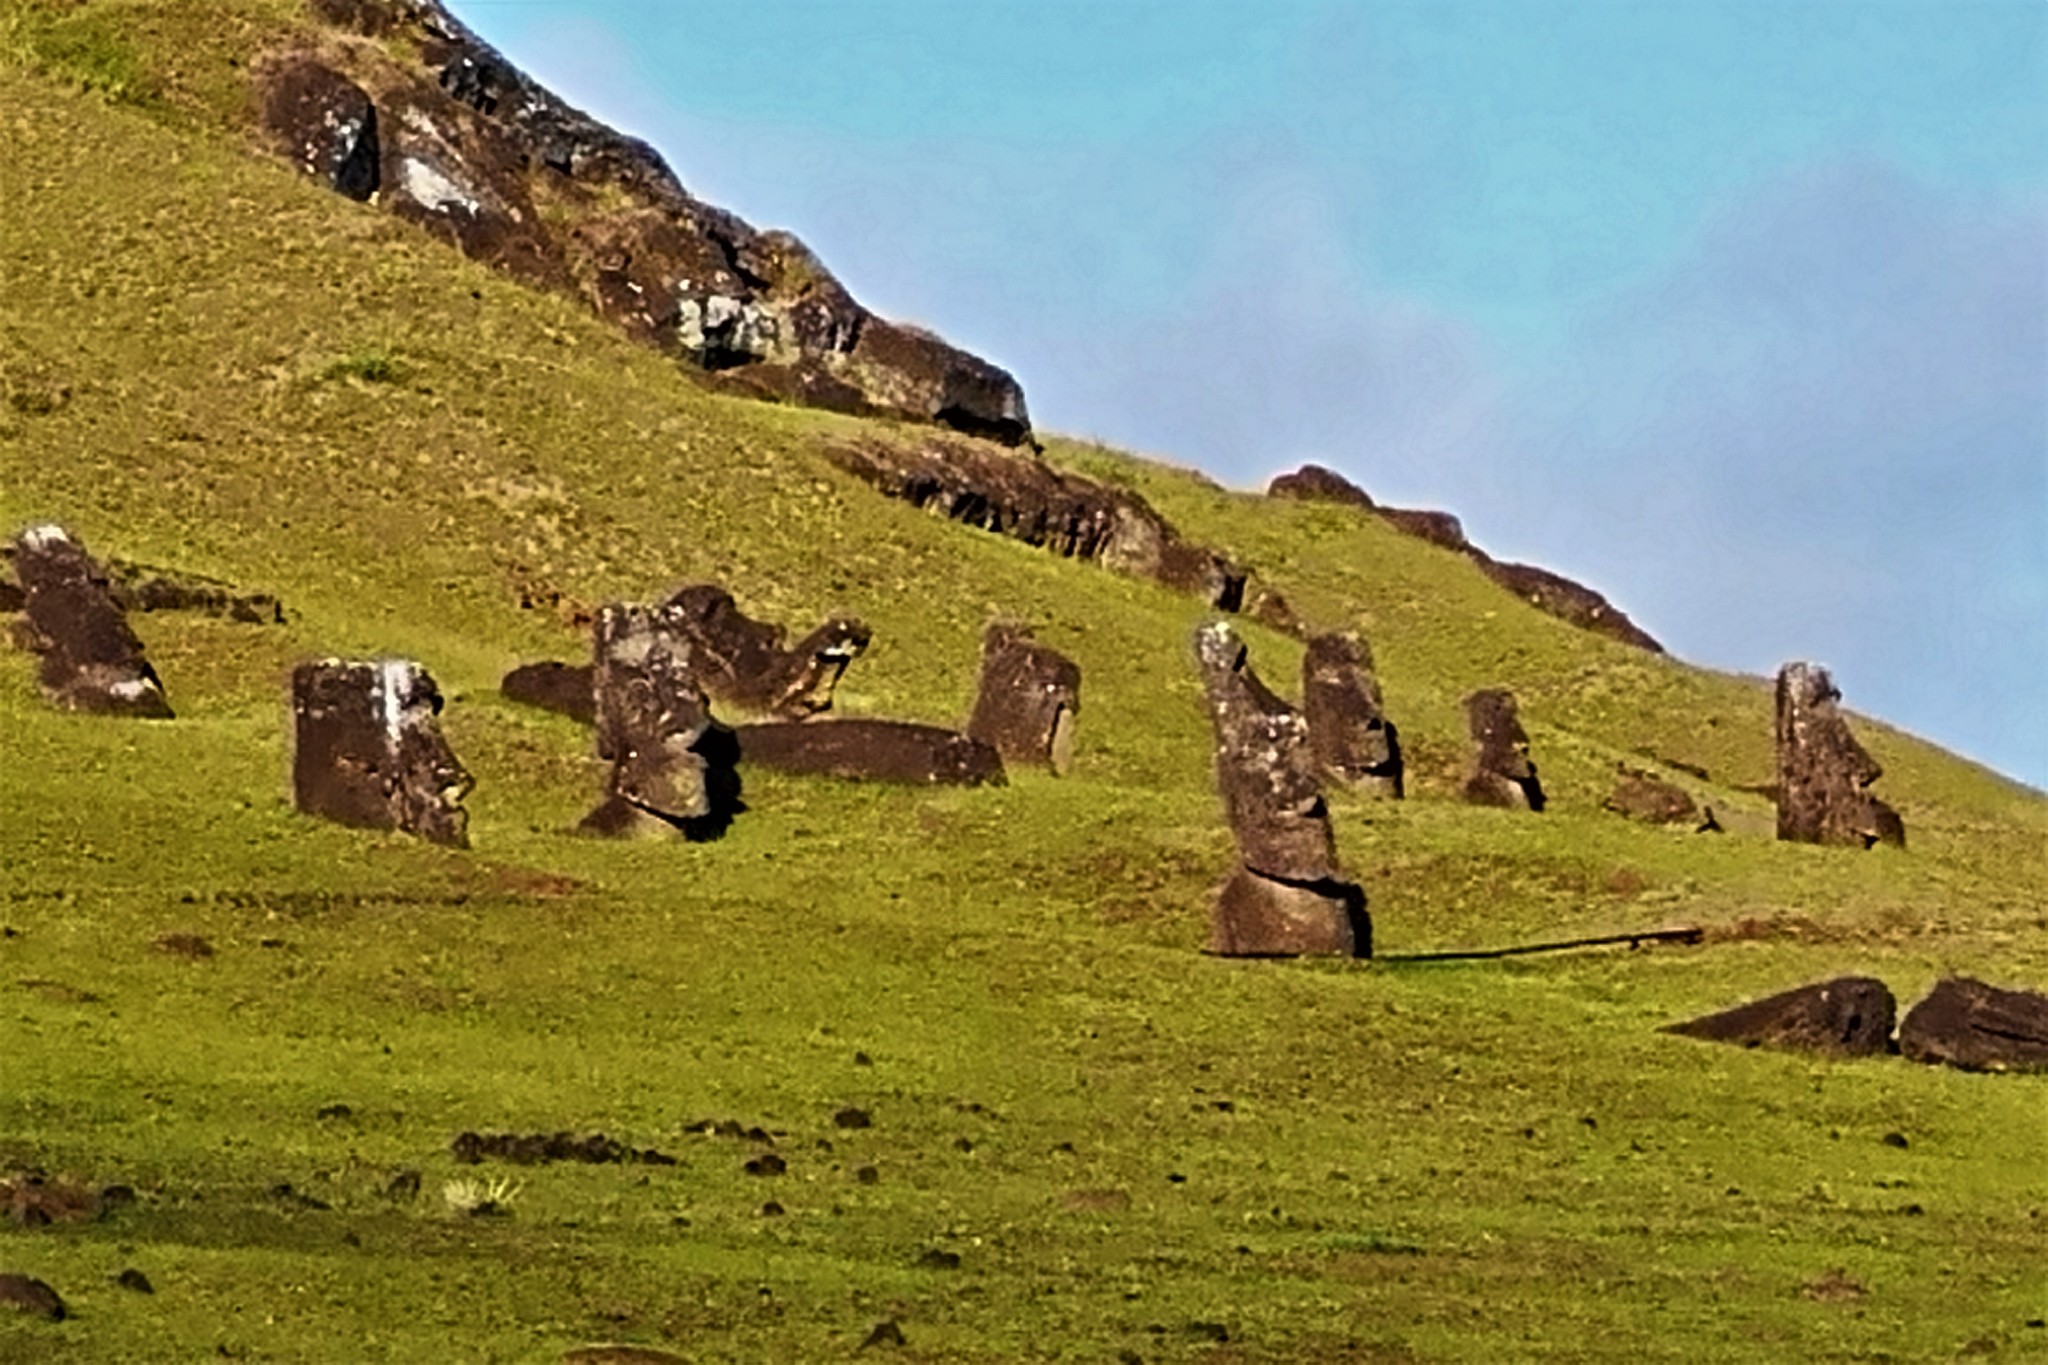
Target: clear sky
{"type": "Point", "coordinates": [1735, 309]}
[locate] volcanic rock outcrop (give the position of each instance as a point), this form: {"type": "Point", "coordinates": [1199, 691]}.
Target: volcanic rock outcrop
{"type": "Point", "coordinates": [396, 100]}
{"type": "Point", "coordinates": [91, 660]}
{"type": "Point", "coordinates": [872, 751]}
{"type": "Point", "coordinates": [1285, 898]}
{"type": "Point", "coordinates": [1968, 1024]}
{"type": "Point", "coordinates": [1546, 591]}
{"type": "Point", "coordinates": [1353, 741]}
{"type": "Point", "coordinates": [1823, 772]}
{"type": "Point", "coordinates": [1029, 698]}
{"type": "Point", "coordinates": [1851, 1016]}
{"type": "Point", "coordinates": [370, 753]}
{"type": "Point", "coordinates": [1024, 498]}
{"type": "Point", "coordinates": [1502, 773]}
{"type": "Point", "coordinates": [672, 764]}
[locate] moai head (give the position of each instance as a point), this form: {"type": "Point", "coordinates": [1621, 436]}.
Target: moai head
{"type": "Point", "coordinates": [803, 682]}
{"type": "Point", "coordinates": [1823, 771]}
{"type": "Point", "coordinates": [1353, 741]}
{"type": "Point", "coordinates": [743, 661]}
{"type": "Point", "coordinates": [370, 752]}
{"type": "Point", "coordinates": [1502, 772]}
{"type": "Point", "coordinates": [1029, 697]}
{"type": "Point", "coordinates": [91, 660]}
{"type": "Point", "coordinates": [652, 718]}
{"type": "Point", "coordinates": [1265, 770]}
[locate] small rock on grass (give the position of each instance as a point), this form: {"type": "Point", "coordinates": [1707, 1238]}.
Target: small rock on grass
{"type": "Point", "coordinates": [24, 1295]}
{"type": "Point", "coordinates": [853, 1118]}
{"type": "Point", "coordinates": [131, 1278]}
{"type": "Point", "coordinates": [620, 1355]}
{"type": "Point", "coordinates": [884, 1333]}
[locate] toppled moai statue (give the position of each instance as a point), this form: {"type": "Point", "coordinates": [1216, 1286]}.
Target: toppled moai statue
{"type": "Point", "coordinates": [1965, 1023]}
{"type": "Point", "coordinates": [743, 661]}
{"type": "Point", "coordinates": [566, 689]}
{"type": "Point", "coordinates": [1850, 1016]}
{"type": "Point", "coordinates": [1502, 774]}
{"type": "Point", "coordinates": [370, 752]}
{"type": "Point", "coordinates": [673, 766]}
{"type": "Point", "coordinates": [872, 751]}
{"type": "Point", "coordinates": [1823, 771]}
{"type": "Point", "coordinates": [1286, 897]}
{"type": "Point", "coordinates": [92, 661]}
{"type": "Point", "coordinates": [1029, 697]}
{"type": "Point", "coordinates": [1348, 730]}
{"type": "Point", "coordinates": [1649, 798]}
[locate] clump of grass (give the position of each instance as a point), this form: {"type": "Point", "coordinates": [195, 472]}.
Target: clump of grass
{"type": "Point", "coordinates": [481, 1198]}
{"type": "Point", "coordinates": [81, 47]}
{"type": "Point", "coordinates": [370, 364]}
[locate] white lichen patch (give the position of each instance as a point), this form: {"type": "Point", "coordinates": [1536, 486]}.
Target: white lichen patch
{"type": "Point", "coordinates": [430, 187]}
{"type": "Point", "coordinates": [44, 537]}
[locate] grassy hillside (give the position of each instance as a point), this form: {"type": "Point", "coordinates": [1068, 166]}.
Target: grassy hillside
{"type": "Point", "coordinates": [1131, 1148]}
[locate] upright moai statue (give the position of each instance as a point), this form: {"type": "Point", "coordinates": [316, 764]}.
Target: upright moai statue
{"type": "Point", "coordinates": [1502, 773]}
{"type": "Point", "coordinates": [91, 660]}
{"type": "Point", "coordinates": [1349, 733]}
{"type": "Point", "coordinates": [1029, 697]}
{"type": "Point", "coordinates": [672, 764]}
{"type": "Point", "coordinates": [369, 750]}
{"type": "Point", "coordinates": [1823, 772]}
{"type": "Point", "coordinates": [1285, 897]}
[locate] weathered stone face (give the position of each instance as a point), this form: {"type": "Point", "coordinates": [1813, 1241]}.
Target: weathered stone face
{"type": "Point", "coordinates": [1968, 1024]}
{"type": "Point", "coordinates": [324, 122]}
{"type": "Point", "coordinates": [872, 751]}
{"type": "Point", "coordinates": [672, 765]}
{"type": "Point", "coordinates": [1851, 1016]}
{"type": "Point", "coordinates": [1029, 697]}
{"type": "Point", "coordinates": [1502, 773]}
{"type": "Point", "coordinates": [1823, 771]}
{"type": "Point", "coordinates": [91, 660]}
{"type": "Point", "coordinates": [744, 661]}
{"type": "Point", "coordinates": [370, 752]}
{"type": "Point", "coordinates": [1349, 733]}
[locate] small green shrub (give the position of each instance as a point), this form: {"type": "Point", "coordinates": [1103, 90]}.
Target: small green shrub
{"type": "Point", "coordinates": [372, 365]}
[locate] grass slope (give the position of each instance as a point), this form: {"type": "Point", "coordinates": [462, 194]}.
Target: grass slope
{"type": "Point", "coordinates": [209, 364]}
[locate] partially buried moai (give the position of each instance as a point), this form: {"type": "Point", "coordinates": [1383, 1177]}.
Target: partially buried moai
{"type": "Point", "coordinates": [1285, 897]}
{"type": "Point", "coordinates": [369, 750]}
{"type": "Point", "coordinates": [91, 660]}
{"type": "Point", "coordinates": [672, 765]}
{"type": "Point", "coordinates": [1029, 697]}
{"type": "Point", "coordinates": [1502, 772]}
{"type": "Point", "coordinates": [1823, 772]}
{"type": "Point", "coordinates": [1349, 733]}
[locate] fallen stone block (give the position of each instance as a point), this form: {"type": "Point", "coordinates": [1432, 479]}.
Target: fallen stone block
{"type": "Point", "coordinates": [1349, 734]}
{"type": "Point", "coordinates": [1029, 697]}
{"type": "Point", "coordinates": [1967, 1024]}
{"type": "Point", "coordinates": [147, 588]}
{"type": "Point", "coordinates": [873, 751]}
{"type": "Point", "coordinates": [673, 767]}
{"type": "Point", "coordinates": [91, 660]}
{"type": "Point", "coordinates": [1257, 916]}
{"type": "Point", "coordinates": [21, 1294]}
{"type": "Point", "coordinates": [370, 752]}
{"type": "Point", "coordinates": [1502, 773]}
{"type": "Point", "coordinates": [744, 661]}
{"type": "Point", "coordinates": [566, 689]}
{"type": "Point", "coordinates": [1823, 773]}
{"type": "Point", "coordinates": [1851, 1016]}
{"type": "Point", "coordinates": [1650, 799]}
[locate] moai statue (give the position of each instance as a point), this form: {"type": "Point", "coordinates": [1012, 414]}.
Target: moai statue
{"type": "Point", "coordinates": [1286, 897]}
{"type": "Point", "coordinates": [1348, 730]}
{"type": "Point", "coordinates": [743, 661]}
{"type": "Point", "coordinates": [370, 752]}
{"type": "Point", "coordinates": [1502, 774]}
{"type": "Point", "coordinates": [1029, 697]}
{"type": "Point", "coordinates": [91, 660]}
{"type": "Point", "coordinates": [672, 764]}
{"type": "Point", "coordinates": [1823, 771]}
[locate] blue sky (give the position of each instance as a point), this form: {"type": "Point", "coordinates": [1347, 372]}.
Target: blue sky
{"type": "Point", "coordinates": [1738, 311]}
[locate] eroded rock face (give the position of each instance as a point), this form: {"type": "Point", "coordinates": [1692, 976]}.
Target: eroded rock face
{"type": "Point", "coordinates": [1029, 698]}
{"type": "Point", "coordinates": [451, 136]}
{"type": "Point", "coordinates": [91, 660]}
{"type": "Point", "coordinates": [1353, 741]}
{"type": "Point", "coordinates": [1286, 897]}
{"type": "Point", "coordinates": [1851, 1016]}
{"type": "Point", "coordinates": [566, 689]}
{"type": "Point", "coordinates": [1650, 799]}
{"type": "Point", "coordinates": [1822, 771]}
{"type": "Point", "coordinates": [872, 751]}
{"type": "Point", "coordinates": [1968, 1024]}
{"type": "Point", "coordinates": [745, 662]}
{"type": "Point", "coordinates": [673, 767]}
{"type": "Point", "coordinates": [1026, 499]}
{"type": "Point", "coordinates": [370, 752]}
{"type": "Point", "coordinates": [1502, 773]}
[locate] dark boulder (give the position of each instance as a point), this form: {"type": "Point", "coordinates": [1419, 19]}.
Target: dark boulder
{"type": "Point", "coordinates": [873, 751]}
{"type": "Point", "coordinates": [566, 689]}
{"type": "Point", "coordinates": [1968, 1024]}
{"type": "Point", "coordinates": [323, 121]}
{"type": "Point", "coordinates": [1353, 741]}
{"type": "Point", "coordinates": [91, 660]}
{"type": "Point", "coordinates": [1851, 1016]}
{"type": "Point", "coordinates": [1258, 916]}
{"type": "Point", "coordinates": [1313, 483]}
{"type": "Point", "coordinates": [1650, 799]}
{"type": "Point", "coordinates": [672, 765]}
{"type": "Point", "coordinates": [1029, 697]}
{"type": "Point", "coordinates": [1822, 771]}
{"type": "Point", "coordinates": [743, 661]}
{"type": "Point", "coordinates": [370, 752]}
{"type": "Point", "coordinates": [1502, 773]}
{"type": "Point", "coordinates": [20, 1294]}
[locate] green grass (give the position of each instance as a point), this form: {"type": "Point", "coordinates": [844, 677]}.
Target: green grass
{"type": "Point", "coordinates": [1331, 1161]}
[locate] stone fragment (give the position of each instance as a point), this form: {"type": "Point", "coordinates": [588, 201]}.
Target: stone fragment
{"type": "Point", "coordinates": [1823, 772]}
{"type": "Point", "coordinates": [1650, 799]}
{"type": "Point", "coordinates": [744, 661]}
{"type": "Point", "coordinates": [28, 1199]}
{"type": "Point", "coordinates": [323, 121]}
{"type": "Point", "coordinates": [1029, 698]}
{"type": "Point", "coordinates": [1353, 741]}
{"type": "Point", "coordinates": [1502, 774]}
{"type": "Point", "coordinates": [672, 764]}
{"type": "Point", "coordinates": [1965, 1023]}
{"type": "Point", "coordinates": [21, 1294]}
{"type": "Point", "coordinates": [370, 752]}
{"type": "Point", "coordinates": [1850, 1016]}
{"type": "Point", "coordinates": [872, 750]}
{"type": "Point", "coordinates": [566, 689]}
{"type": "Point", "coordinates": [91, 660]}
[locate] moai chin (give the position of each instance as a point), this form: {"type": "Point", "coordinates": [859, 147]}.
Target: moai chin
{"type": "Point", "coordinates": [1502, 772]}
{"type": "Point", "coordinates": [1029, 697]}
{"type": "Point", "coordinates": [1823, 772]}
{"type": "Point", "coordinates": [369, 750]}
{"type": "Point", "coordinates": [1349, 733]}
{"type": "Point", "coordinates": [91, 660]}
{"type": "Point", "coordinates": [672, 765]}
